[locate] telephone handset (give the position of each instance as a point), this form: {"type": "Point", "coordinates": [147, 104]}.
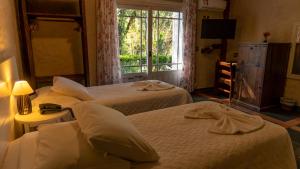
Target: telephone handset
{"type": "Point", "coordinates": [47, 108]}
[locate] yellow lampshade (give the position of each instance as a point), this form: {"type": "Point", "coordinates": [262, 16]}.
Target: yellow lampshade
{"type": "Point", "coordinates": [22, 88]}
{"type": "Point", "coordinates": [3, 89]}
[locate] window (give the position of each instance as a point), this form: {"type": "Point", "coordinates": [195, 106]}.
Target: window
{"type": "Point", "coordinates": [165, 44]}
{"type": "Point", "coordinates": [167, 41]}
{"type": "Point", "coordinates": [132, 26]}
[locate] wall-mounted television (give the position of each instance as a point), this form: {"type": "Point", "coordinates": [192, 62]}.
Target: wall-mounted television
{"type": "Point", "coordinates": [218, 28]}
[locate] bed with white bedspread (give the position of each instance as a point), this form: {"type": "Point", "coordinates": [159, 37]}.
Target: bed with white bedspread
{"type": "Point", "coordinates": [186, 144]}
{"type": "Point", "coordinates": [128, 98]}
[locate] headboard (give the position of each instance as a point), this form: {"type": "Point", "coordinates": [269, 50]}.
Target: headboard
{"type": "Point", "coordinates": [8, 74]}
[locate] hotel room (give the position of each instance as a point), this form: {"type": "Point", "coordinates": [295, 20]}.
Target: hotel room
{"type": "Point", "coordinates": [149, 84]}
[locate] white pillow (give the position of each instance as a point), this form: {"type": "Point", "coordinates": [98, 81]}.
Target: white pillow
{"type": "Point", "coordinates": [43, 90]}
{"type": "Point", "coordinates": [62, 146]}
{"type": "Point", "coordinates": [109, 130]}
{"type": "Point", "coordinates": [12, 156]}
{"type": "Point", "coordinates": [70, 88]}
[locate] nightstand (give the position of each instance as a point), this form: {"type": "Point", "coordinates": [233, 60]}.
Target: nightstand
{"type": "Point", "coordinates": [31, 121]}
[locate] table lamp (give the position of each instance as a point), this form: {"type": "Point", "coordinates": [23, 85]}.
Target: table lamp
{"type": "Point", "coordinates": [22, 90]}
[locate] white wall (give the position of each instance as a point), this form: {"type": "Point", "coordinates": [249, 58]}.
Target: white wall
{"type": "Point", "coordinates": [206, 63]}
{"type": "Point", "coordinates": [9, 41]}
{"type": "Point", "coordinates": [8, 69]}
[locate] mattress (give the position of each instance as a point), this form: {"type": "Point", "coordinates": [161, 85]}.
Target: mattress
{"type": "Point", "coordinates": [186, 143]}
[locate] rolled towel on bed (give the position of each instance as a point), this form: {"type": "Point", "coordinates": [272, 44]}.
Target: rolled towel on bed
{"type": "Point", "coordinates": [152, 85]}
{"type": "Point", "coordinates": [144, 83]}
{"type": "Point", "coordinates": [229, 121]}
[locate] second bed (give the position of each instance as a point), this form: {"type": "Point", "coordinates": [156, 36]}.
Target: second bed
{"type": "Point", "coordinates": [128, 98]}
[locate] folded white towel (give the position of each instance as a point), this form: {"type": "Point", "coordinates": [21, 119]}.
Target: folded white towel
{"type": "Point", "coordinates": [152, 85]}
{"type": "Point", "coordinates": [145, 83]}
{"type": "Point", "coordinates": [229, 121]}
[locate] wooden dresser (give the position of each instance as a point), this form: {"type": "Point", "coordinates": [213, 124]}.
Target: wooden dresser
{"type": "Point", "coordinates": [261, 75]}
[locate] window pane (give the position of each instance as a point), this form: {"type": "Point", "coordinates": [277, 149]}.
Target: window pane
{"type": "Point", "coordinates": [167, 41]}
{"type": "Point", "coordinates": [144, 13]}
{"type": "Point", "coordinates": [129, 12]}
{"type": "Point", "coordinates": [166, 14]}
{"type": "Point", "coordinates": [132, 40]}
{"type": "Point", "coordinates": [154, 43]}
{"type": "Point", "coordinates": [155, 13]}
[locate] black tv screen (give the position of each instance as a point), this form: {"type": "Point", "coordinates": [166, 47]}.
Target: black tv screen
{"type": "Point", "coordinates": [218, 28]}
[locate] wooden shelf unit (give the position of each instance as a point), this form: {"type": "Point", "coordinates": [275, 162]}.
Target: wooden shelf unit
{"type": "Point", "coordinates": [225, 74]}
{"type": "Point", "coordinates": [28, 15]}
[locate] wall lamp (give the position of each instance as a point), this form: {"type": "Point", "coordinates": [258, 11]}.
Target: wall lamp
{"type": "Point", "coordinates": [4, 92]}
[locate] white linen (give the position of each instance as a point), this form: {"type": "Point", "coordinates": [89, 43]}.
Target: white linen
{"type": "Point", "coordinates": [228, 120]}
{"type": "Point", "coordinates": [185, 143]}
{"type": "Point", "coordinates": [43, 90]}
{"type": "Point", "coordinates": [152, 85]}
{"type": "Point", "coordinates": [12, 155]}
{"type": "Point", "coordinates": [28, 150]}
{"type": "Point", "coordinates": [123, 97]}
{"type": "Point", "coordinates": [126, 99]}
{"type": "Point", "coordinates": [62, 146]}
{"type": "Point", "coordinates": [57, 146]}
{"type": "Point", "coordinates": [70, 88]}
{"type": "Point", "coordinates": [109, 130]}
{"type": "Point", "coordinates": [21, 152]}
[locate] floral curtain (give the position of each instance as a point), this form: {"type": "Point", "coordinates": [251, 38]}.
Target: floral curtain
{"type": "Point", "coordinates": [108, 62]}
{"type": "Point", "coordinates": [188, 74]}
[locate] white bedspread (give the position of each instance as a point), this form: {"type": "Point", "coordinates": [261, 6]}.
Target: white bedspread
{"type": "Point", "coordinates": [186, 144]}
{"type": "Point", "coordinates": [128, 100]}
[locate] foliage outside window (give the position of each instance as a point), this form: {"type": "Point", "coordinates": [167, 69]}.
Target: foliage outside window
{"type": "Point", "coordinates": [166, 40]}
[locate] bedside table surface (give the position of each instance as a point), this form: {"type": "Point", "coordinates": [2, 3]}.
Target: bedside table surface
{"type": "Point", "coordinates": [37, 117]}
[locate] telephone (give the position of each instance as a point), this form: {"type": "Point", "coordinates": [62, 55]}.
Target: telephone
{"type": "Point", "coordinates": [47, 108]}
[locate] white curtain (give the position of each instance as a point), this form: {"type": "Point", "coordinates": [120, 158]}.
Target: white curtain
{"type": "Point", "coordinates": [108, 62]}
{"type": "Point", "coordinates": [189, 19]}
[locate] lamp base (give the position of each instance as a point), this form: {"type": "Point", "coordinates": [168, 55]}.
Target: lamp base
{"type": "Point", "coordinates": [24, 105]}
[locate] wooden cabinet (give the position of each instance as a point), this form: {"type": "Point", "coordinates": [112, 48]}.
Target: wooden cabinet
{"type": "Point", "coordinates": [54, 40]}
{"type": "Point", "coordinates": [261, 74]}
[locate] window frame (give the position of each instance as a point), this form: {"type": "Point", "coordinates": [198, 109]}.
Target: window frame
{"type": "Point", "coordinates": [149, 32]}
{"type": "Point", "coordinates": [151, 5]}
{"type": "Point", "coordinates": [158, 65]}
{"type": "Point", "coordinates": [140, 18]}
